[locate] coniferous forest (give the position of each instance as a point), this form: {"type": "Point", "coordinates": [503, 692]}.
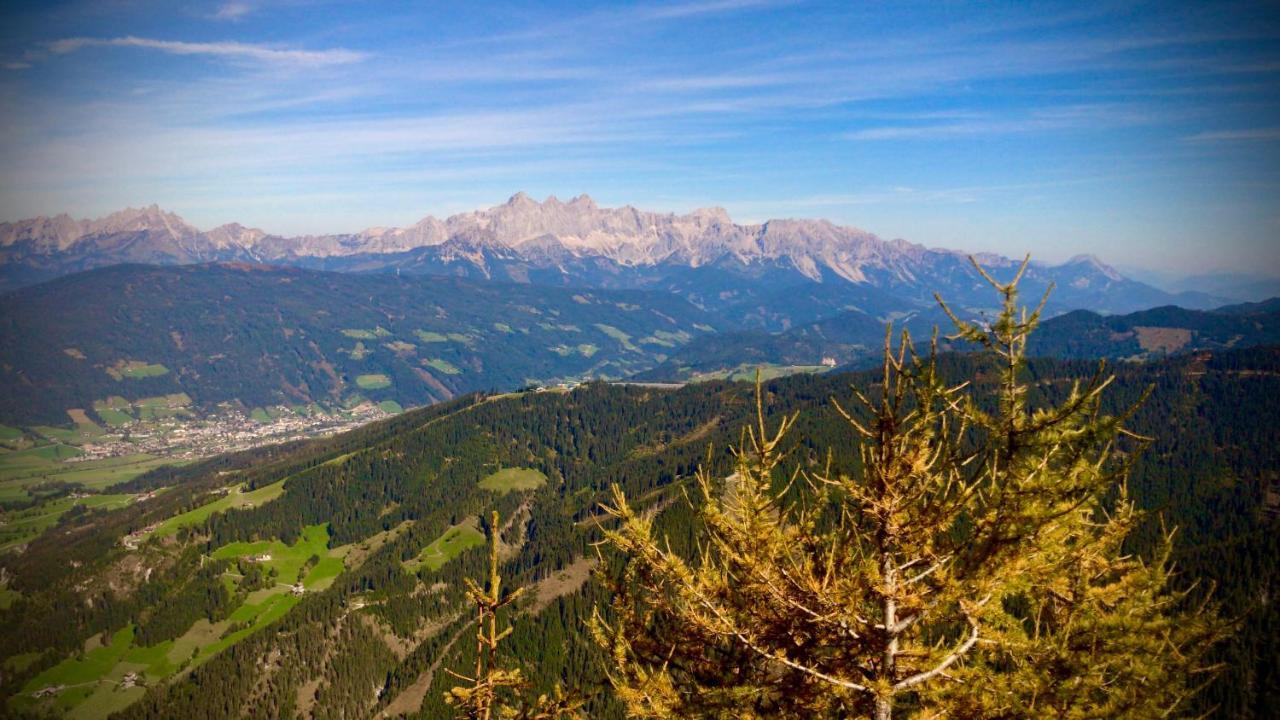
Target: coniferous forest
{"type": "Point", "coordinates": [644, 360]}
{"type": "Point", "coordinates": [1193, 533]}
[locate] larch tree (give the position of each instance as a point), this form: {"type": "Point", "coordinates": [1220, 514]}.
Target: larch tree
{"type": "Point", "coordinates": [970, 565]}
{"type": "Point", "coordinates": [492, 692]}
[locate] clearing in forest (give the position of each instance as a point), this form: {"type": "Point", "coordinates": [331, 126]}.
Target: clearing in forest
{"type": "Point", "coordinates": [373, 381]}
{"type": "Point", "coordinates": [448, 546]}
{"type": "Point", "coordinates": [508, 479]}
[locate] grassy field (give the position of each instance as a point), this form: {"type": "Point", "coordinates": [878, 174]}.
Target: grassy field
{"type": "Point", "coordinates": [288, 560]}
{"type": "Point", "coordinates": [114, 411]}
{"type": "Point", "coordinates": [163, 406]}
{"type": "Point", "coordinates": [443, 366]}
{"type": "Point", "coordinates": [508, 479]}
{"type": "Point", "coordinates": [767, 372]}
{"type": "Point", "coordinates": [21, 470]}
{"type": "Point", "coordinates": [91, 682]}
{"type": "Point", "coordinates": [447, 547]}
{"type": "Point", "coordinates": [9, 434]}
{"type": "Point", "coordinates": [373, 382]}
{"type": "Point", "coordinates": [136, 369]}
{"type": "Point", "coordinates": [362, 334]}
{"type": "Point", "coordinates": [84, 430]}
{"type": "Point", "coordinates": [427, 336]}
{"type": "Point", "coordinates": [585, 350]}
{"type": "Point", "coordinates": [235, 499]}
{"type": "Point", "coordinates": [618, 335]}
{"type": "Point", "coordinates": [23, 525]}
{"type": "Point", "coordinates": [390, 406]}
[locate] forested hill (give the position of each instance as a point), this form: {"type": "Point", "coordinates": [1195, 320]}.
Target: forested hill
{"type": "Point", "coordinates": [854, 338]}
{"type": "Point", "coordinates": [325, 579]}
{"type": "Point", "coordinates": [266, 336]}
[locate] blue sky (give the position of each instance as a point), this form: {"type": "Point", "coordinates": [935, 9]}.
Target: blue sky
{"type": "Point", "coordinates": [1147, 133]}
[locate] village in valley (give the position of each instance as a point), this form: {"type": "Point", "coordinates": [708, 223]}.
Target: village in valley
{"type": "Point", "coordinates": [229, 429]}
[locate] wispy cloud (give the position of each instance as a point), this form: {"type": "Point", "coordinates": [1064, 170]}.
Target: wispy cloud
{"type": "Point", "coordinates": [707, 7]}
{"type": "Point", "coordinates": [695, 83]}
{"type": "Point", "coordinates": [1047, 119]}
{"type": "Point", "coordinates": [231, 49]}
{"type": "Point", "coordinates": [1246, 135]}
{"type": "Point", "coordinates": [232, 11]}
{"type": "Point", "coordinates": [17, 65]}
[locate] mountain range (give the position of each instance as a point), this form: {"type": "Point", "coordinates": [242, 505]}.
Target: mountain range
{"type": "Point", "coordinates": [773, 275]}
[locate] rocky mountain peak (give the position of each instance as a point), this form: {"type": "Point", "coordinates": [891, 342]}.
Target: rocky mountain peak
{"type": "Point", "coordinates": [149, 218]}
{"type": "Point", "coordinates": [521, 199]}
{"type": "Point", "coordinates": [1092, 262]}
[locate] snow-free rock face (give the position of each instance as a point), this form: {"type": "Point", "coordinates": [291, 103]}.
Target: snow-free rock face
{"type": "Point", "coordinates": [573, 243]}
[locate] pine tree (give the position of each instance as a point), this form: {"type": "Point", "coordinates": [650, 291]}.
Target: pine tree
{"type": "Point", "coordinates": [488, 694]}
{"type": "Point", "coordinates": [970, 565]}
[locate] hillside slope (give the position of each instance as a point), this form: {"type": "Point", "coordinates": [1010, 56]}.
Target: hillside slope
{"type": "Point", "coordinates": [389, 515]}
{"type": "Point", "coordinates": [263, 335]}
{"type": "Point", "coordinates": [854, 338]}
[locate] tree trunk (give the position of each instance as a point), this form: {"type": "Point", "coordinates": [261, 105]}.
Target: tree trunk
{"type": "Point", "coordinates": [888, 671]}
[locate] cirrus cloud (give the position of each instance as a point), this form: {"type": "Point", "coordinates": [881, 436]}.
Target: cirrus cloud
{"type": "Point", "coordinates": [229, 49]}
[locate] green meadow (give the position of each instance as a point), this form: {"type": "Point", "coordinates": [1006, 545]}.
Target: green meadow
{"type": "Point", "coordinates": [362, 334]}
{"type": "Point", "coordinates": [22, 525]}
{"type": "Point", "coordinates": [236, 498]}
{"type": "Point", "coordinates": [91, 681]}
{"type": "Point", "coordinates": [447, 547]}
{"type": "Point", "coordinates": [373, 381]}
{"type": "Point", "coordinates": [136, 370]}
{"type": "Point", "coordinates": [288, 560]}
{"type": "Point", "coordinates": [508, 479]}
{"type": "Point", "coordinates": [23, 469]}
{"type": "Point", "coordinates": [443, 366]}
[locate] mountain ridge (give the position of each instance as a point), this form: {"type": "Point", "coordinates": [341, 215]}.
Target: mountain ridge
{"type": "Point", "coordinates": [574, 242]}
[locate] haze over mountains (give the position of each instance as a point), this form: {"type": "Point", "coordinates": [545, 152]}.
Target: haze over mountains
{"type": "Point", "coordinates": [703, 256]}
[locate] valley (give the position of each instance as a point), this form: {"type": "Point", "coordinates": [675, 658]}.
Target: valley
{"type": "Point", "coordinates": [708, 359]}
{"type": "Point", "coordinates": [351, 548]}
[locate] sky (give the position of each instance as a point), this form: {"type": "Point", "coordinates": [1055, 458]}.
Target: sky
{"type": "Point", "coordinates": [1147, 133]}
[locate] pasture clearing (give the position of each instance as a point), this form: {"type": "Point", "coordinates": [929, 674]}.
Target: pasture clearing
{"type": "Point", "coordinates": [448, 546]}
{"type": "Point", "coordinates": [23, 525]}
{"type": "Point", "coordinates": [289, 560]}
{"type": "Point", "coordinates": [374, 381]}
{"type": "Point", "coordinates": [235, 498]}
{"type": "Point", "coordinates": [363, 334]}
{"type": "Point", "coordinates": [618, 335]}
{"type": "Point", "coordinates": [136, 370]}
{"type": "Point", "coordinates": [747, 373]}
{"type": "Point", "coordinates": [91, 680]}
{"type": "Point", "coordinates": [32, 468]}
{"type": "Point", "coordinates": [443, 366]}
{"type": "Point", "coordinates": [508, 479]}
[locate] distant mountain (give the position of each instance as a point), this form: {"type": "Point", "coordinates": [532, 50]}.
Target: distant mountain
{"type": "Point", "coordinates": [1159, 331]}
{"type": "Point", "coordinates": [1237, 286]}
{"type": "Point", "coordinates": [774, 275]}
{"type": "Point", "coordinates": [854, 338]}
{"type": "Point", "coordinates": [263, 336]}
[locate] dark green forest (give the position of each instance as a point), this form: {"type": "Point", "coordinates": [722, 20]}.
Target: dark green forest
{"type": "Point", "coordinates": [383, 628]}
{"type": "Point", "coordinates": [265, 336]}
